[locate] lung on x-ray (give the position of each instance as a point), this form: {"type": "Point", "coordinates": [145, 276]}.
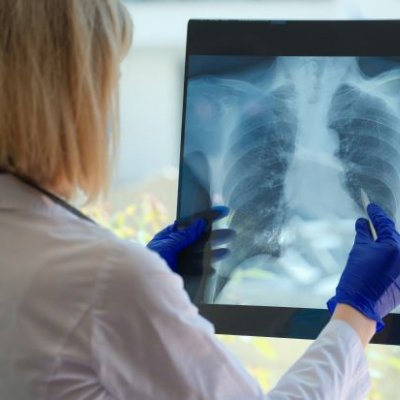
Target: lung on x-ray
{"type": "Point", "coordinates": [287, 143]}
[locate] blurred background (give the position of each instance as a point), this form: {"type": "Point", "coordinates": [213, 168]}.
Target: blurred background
{"type": "Point", "coordinates": [144, 190]}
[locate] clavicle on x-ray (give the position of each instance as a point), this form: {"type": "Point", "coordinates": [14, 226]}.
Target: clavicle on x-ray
{"type": "Point", "coordinates": [289, 142]}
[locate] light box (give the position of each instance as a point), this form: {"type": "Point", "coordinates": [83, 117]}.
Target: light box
{"type": "Point", "coordinates": [284, 123]}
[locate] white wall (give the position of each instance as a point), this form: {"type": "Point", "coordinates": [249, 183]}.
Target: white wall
{"type": "Point", "coordinates": [151, 92]}
{"type": "Point", "coordinates": [165, 23]}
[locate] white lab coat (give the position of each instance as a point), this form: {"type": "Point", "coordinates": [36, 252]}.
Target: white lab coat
{"type": "Point", "coordinates": [87, 316]}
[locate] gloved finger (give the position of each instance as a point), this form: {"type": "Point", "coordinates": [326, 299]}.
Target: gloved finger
{"type": "Point", "coordinates": [219, 254]}
{"type": "Point", "coordinates": [165, 232]}
{"type": "Point", "coordinates": [384, 226]}
{"type": "Point", "coordinates": [215, 255]}
{"type": "Point", "coordinates": [216, 238]}
{"type": "Point", "coordinates": [363, 232]}
{"type": "Point", "coordinates": [213, 214]}
{"type": "Point", "coordinates": [222, 236]}
{"type": "Point", "coordinates": [190, 234]}
{"type": "Point", "coordinates": [218, 212]}
{"type": "Point", "coordinates": [377, 214]}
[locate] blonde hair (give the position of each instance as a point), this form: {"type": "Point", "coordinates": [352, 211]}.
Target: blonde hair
{"type": "Point", "coordinates": [59, 71]}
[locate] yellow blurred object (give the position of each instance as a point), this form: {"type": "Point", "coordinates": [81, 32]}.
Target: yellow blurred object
{"type": "Point", "coordinates": [139, 221]}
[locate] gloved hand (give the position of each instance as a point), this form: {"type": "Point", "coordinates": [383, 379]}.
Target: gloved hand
{"type": "Point", "coordinates": [172, 240]}
{"type": "Point", "coordinates": [371, 279]}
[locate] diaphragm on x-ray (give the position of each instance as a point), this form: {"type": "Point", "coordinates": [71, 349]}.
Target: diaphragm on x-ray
{"type": "Point", "coordinates": [287, 143]}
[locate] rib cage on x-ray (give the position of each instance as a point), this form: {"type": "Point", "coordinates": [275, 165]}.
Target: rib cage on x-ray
{"type": "Point", "coordinates": [369, 137]}
{"type": "Point", "coordinates": [258, 155]}
{"type": "Point", "coordinates": [293, 143]}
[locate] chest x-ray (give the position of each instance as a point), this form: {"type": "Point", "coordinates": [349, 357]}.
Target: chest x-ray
{"type": "Point", "coordinates": [287, 143]}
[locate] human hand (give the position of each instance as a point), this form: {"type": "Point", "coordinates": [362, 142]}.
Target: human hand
{"type": "Point", "coordinates": [185, 234]}
{"type": "Point", "coordinates": [370, 282]}
{"type": "Point", "coordinates": [198, 257]}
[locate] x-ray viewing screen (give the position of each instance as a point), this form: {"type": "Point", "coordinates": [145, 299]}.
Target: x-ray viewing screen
{"type": "Point", "coordinates": [287, 143]}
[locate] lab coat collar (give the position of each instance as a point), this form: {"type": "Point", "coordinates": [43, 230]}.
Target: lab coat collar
{"type": "Point", "coordinates": [15, 194]}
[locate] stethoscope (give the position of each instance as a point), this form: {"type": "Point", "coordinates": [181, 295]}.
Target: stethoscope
{"type": "Point", "coordinates": [57, 200]}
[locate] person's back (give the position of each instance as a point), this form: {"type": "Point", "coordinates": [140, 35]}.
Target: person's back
{"type": "Point", "coordinates": [85, 315]}
{"type": "Point", "coordinates": [51, 263]}
{"type": "Point", "coordinates": [59, 68]}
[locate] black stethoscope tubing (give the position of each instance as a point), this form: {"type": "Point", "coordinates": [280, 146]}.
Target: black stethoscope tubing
{"type": "Point", "coordinates": [53, 197]}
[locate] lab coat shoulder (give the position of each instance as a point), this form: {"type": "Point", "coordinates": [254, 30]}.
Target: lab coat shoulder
{"type": "Point", "coordinates": [149, 341]}
{"type": "Point", "coordinates": [137, 277]}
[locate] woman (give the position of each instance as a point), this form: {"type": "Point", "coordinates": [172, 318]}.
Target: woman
{"type": "Point", "coordinates": [85, 315]}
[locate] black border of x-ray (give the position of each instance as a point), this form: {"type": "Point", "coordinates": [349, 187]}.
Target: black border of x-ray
{"type": "Point", "coordinates": [285, 38]}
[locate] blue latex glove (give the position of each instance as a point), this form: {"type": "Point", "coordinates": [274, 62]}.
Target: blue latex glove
{"type": "Point", "coordinates": [172, 240]}
{"type": "Point", "coordinates": [371, 280]}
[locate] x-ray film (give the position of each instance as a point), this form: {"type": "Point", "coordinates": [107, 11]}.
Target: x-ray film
{"type": "Point", "coordinates": [287, 142]}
